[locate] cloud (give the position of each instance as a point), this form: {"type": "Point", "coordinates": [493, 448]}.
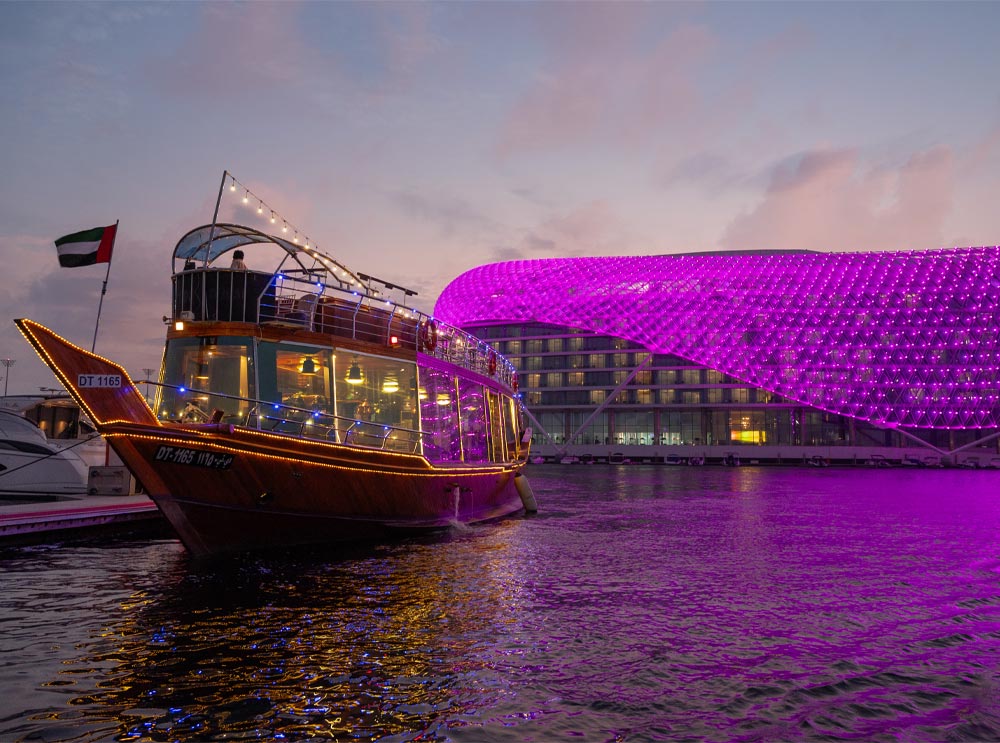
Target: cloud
{"type": "Point", "coordinates": [450, 215]}
{"type": "Point", "coordinates": [603, 79]}
{"type": "Point", "coordinates": [835, 200]}
{"type": "Point", "coordinates": [254, 53]}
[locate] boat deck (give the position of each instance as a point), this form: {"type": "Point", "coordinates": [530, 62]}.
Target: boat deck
{"type": "Point", "coordinates": [53, 520]}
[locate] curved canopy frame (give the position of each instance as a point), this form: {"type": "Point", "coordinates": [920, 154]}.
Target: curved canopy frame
{"type": "Point", "coordinates": [208, 242]}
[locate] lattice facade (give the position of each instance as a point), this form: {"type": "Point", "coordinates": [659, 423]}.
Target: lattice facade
{"type": "Point", "coordinates": [899, 339]}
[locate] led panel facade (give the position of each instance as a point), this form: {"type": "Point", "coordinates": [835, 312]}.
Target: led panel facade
{"type": "Point", "coordinates": [895, 338]}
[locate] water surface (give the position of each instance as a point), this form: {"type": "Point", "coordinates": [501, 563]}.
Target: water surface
{"type": "Point", "coordinates": [640, 604]}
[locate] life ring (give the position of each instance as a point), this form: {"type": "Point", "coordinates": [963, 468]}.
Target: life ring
{"type": "Point", "coordinates": [493, 362]}
{"type": "Point", "coordinates": [429, 335]}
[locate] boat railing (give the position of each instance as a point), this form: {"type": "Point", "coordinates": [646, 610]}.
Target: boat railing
{"type": "Point", "coordinates": [314, 300]}
{"type": "Point", "coordinates": [303, 422]}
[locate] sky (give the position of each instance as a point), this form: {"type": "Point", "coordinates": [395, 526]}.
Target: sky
{"type": "Point", "coordinates": [414, 141]}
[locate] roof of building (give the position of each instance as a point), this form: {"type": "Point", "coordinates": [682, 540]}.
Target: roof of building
{"type": "Point", "coordinates": [897, 338]}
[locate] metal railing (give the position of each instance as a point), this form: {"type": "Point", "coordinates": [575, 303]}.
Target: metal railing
{"type": "Point", "coordinates": [313, 300]}
{"type": "Point", "coordinates": [305, 423]}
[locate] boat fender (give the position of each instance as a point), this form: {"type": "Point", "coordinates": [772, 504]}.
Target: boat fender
{"type": "Point", "coordinates": [524, 490]}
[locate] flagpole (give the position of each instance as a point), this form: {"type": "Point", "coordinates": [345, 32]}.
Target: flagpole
{"type": "Point", "coordinates": [104, 289]}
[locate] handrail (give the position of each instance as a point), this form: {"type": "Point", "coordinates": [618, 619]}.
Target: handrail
{"type": "Point", "coordinates": [309, 418]}
{"type": "Point", "coordinates": [314, 299]}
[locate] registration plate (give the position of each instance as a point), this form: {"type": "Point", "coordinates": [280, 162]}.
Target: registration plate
{"type": "Point", "coordinates": [194, 457]}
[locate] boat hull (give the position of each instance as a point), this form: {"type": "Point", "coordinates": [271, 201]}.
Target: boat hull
{"type": "Point", "coordinates": [226, 488]}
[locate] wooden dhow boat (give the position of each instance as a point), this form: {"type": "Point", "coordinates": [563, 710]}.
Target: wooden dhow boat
{"type": "Point", "coordinates": [304, 405]}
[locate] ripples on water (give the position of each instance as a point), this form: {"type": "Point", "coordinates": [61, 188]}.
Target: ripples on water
{"type": "Point", "coordinates": [640, 604]}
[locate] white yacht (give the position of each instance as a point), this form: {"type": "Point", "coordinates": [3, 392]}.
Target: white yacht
{"type": "Point", "coordinates": [31, 464]}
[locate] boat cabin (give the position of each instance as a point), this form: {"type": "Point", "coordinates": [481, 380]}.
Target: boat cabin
{"type": "Point", "coordinates": [312, 349]}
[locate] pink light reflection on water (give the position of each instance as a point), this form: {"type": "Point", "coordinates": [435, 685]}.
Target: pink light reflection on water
{"type": "Point", "coordinates": [640, 604]}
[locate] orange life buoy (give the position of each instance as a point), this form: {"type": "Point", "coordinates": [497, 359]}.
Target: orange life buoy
{"type": "Point", "coordinates": [429, 335]}
{"type": "Point", "coordinates": [493, 362]}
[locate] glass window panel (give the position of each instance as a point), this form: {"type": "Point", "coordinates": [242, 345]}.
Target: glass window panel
{"type": "Point", "coordinates": [473, 414]}
{"type": "Point", "coordinates": [379, 395]}
{"type": "Point", "coordinates": [439, 416]}
{"type": "Point", "coordinates": [208, 367]}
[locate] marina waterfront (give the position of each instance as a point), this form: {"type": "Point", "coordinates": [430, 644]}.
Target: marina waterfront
{"type": "Point", "coordinates": [641, 603]}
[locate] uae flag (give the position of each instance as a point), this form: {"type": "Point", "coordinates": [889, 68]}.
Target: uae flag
{"type": "Point", "coordinates": [87, 247]}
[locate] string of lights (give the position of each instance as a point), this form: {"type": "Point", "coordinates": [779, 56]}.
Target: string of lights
{"type": "Point", "coordinates": [249, 197]}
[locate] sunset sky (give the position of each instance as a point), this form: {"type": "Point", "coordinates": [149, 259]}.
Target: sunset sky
{"type": "Point", "coordinates": [414, 141]}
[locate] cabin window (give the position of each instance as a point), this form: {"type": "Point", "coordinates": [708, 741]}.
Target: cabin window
{"type": "Point", "coordinates": [473, 412]}
{"type": "Point", "coordinates": [512, 424]}
{"type": "Point", "coordinates": [377, 401]}
{"type": "Point", "coordinates": [295, 390]}
{"type": "Point", "coordinates": [215, 374]}
{"type": "Point", "coordinates": [498, 433]}
{"type": "Point", "coordinates": [439, 416]}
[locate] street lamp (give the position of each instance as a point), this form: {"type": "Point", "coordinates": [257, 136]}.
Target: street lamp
{"type": "Point", "coordinates": [8, 363]}
{"type": "Point", "coordinates": [147, 373]}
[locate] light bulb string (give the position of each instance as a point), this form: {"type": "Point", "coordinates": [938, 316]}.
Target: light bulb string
{"type": "Point", "coordinates": [248, 197]}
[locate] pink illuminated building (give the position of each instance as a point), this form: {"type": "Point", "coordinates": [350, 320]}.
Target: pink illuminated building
{"type": "Point", "coordinates": [772, 348]}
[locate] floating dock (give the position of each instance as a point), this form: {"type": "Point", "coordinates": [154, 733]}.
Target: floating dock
{"type": "Point", "coordinates": [53, 519]}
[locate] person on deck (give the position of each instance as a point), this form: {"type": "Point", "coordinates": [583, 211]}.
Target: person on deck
{"type": "Point", "coordinates": [238, 264]}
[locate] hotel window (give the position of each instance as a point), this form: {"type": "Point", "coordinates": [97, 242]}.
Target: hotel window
{"type": "Point", "coordinates": [712, 377]}
{"type": "Point", "coordinates": [666, 376]}
{"type": "Point", "coordinates": [618, 360]}
{"type": "Point", "coordinates": [643, 377]}
{"type": "Point", "coordinates": [740, 394]}
{"type": "Point", "coordinates": [747, 427]}
{"type": "Point", "coordinates": [598, 396]}
{"type": "Point", "coordinates": [644, 397]}
{"type": "Point", "coordinates": [714, 394]}
{"type": "Point", "coordinates": [619, 376]}
{"type": "Point", "coordinates": [666, 397]}
{"type": "Point", "coordinates": [596, 361]}
{"type": "Point", "coordinates": [691, 376]}
{"type": "Point", "coordinates": [533, 363]}
{"type": "Point", "coordinates": [691, 397]}
{"type": "Point", "coordinates": [533, 381]}
{"type": "Point", "coordinates": [574, 379]}
{"type": "Point", "coordinates": [513, 348]}
{"type": "Point", "coordinates": [575, 343]}
{"type": "Point", "coordinates": [576, 361]}
{"type": "Point", "coordinates": [535, 345]}
{"type": "Point", "coordinates": [555, 345]}
{"type": "Point", "coordinates": [554, 379]}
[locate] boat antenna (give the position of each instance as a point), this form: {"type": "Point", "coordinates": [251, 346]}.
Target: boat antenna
{"type": "Point", "coordinates": [215, 215]}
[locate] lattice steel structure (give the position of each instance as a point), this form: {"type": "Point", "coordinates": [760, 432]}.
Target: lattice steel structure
{"type": "Point", "coordinates": [907, 339]}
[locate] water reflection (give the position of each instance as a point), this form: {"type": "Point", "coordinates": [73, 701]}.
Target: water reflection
{"type": "Point", "coordinates": [359, 644]}
{"type": "Point", "coordinates": [640, 604]}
